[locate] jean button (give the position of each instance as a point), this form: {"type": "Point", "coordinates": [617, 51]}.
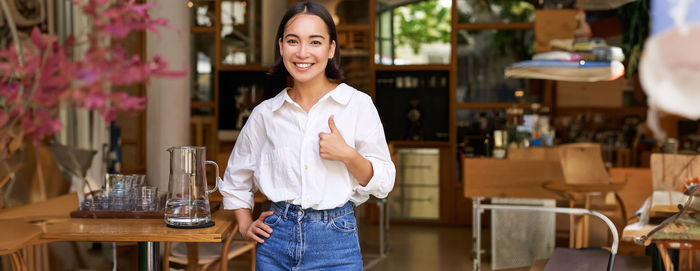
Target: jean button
{"type": "Point", "coordinates": [299, 212]}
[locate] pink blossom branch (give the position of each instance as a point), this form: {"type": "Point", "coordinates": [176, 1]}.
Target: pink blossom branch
{"type": "Point", "coordinates": [47, 71]}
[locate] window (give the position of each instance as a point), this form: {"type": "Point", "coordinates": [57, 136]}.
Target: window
{"type": "Point", "coordinates": [413, 34]}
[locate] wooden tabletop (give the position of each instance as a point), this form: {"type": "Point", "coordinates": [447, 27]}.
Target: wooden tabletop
{"type": "Point", "coordinates": [509, 178]}
{"type": "Point", "coordinates": [16, 235]}
{"type": "Point", "coordinates": [634, 230]}
{"type": "Point", "coordinates": [131, 230]}
{"type": "Point", "coordinates": [60, 206]}
{"type": "Point", "coordinates": [53, 218]}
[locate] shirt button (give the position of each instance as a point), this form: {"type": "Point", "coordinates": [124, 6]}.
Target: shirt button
{"type": "Point", "coordinates": [306, 167]}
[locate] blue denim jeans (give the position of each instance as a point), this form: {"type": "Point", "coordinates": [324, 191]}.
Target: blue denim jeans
{"type": "Point", "coordinates": [308, 239]}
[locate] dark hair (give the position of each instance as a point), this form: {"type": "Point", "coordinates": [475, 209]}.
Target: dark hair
{"type": "Point", "coordinates": [333, 70]}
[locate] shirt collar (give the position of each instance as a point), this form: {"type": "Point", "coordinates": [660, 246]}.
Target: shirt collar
{"type": "Point", "coordinates": [341, 94]}
{"type": "Point", "coordinates": [278, 100]}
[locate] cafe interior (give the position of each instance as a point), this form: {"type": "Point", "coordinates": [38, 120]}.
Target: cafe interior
{"type": "Point", "coordinates": [526, 134]}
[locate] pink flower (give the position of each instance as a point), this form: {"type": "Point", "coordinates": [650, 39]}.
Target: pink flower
{"type": "Point", "coordinates": [3, 118]}
{"type": "Point", "coordinates": [32, 92]}
{"type": "Point", "coordinates": [94, 101]}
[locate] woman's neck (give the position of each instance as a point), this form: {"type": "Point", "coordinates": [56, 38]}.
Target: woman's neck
{"type": "Point", "coordinates": [307, 94]}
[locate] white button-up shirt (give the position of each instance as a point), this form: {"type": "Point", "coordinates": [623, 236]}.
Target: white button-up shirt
{"type": "Point", "coordinates": [277, 153]}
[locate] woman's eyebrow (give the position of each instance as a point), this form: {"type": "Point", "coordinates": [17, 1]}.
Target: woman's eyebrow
{"type": "Point", "coordinates": [296, 36]}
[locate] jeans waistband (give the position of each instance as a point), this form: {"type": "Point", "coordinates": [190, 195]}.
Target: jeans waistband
{"type": "Point", "coordinates": [290, 211]}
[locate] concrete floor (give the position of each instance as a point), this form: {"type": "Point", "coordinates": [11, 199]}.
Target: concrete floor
{"type": "Point", "coordinates": [419, 248]}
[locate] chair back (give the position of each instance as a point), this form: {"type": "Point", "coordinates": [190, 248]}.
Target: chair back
{"type": "Point", "coordinates": [638, 187]}
{"type": "Point", "coordinates": [582, 163]}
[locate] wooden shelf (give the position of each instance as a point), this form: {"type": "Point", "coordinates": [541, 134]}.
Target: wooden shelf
{"type": "Point", "coordinates": [353, 27]}
{"type": "Point", "coordinates": [202, 104]}
{"type": "Point", "coordinates": [353, 53]}
{"type": "Point", "coordinates": [203, 29]}
{"type": "Point", "coordinates": [420, 144]}
{"type": "Point", "coordinates": [491, 105]}
{"type": "Point", "coordinates": [639, 110]}
{"type": "Point", "coordinates": [443, 67]}
{"type": "Point", "coordinates": [491, 26]}
{"type": "Point", "coordinates": [255, 68]}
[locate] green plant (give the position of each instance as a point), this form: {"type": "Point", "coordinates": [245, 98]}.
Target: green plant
{"type": "Point", "coordinates": [634, 18]}
{"type": "Point", "coordinates": [422, 23]}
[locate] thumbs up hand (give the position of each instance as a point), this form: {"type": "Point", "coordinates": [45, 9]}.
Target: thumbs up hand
{"type": "Point", "coordinates": [332, 146]}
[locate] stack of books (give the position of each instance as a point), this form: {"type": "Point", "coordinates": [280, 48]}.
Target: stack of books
{"type": "Point", "coordinates": [589, 61]}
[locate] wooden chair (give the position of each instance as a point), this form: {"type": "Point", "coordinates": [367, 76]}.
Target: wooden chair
{"type": "Point", "coordinates": [637, 191]}
{"type": "Point", "coordinates": [208, 256]}
{"type": "Point", "coordinates": [14, 236]}
{"type": "Point", "coordinates": [585, 176]}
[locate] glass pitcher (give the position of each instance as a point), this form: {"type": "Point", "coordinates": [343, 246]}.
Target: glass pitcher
{"type": "Point", "coordinates": [187, 202]}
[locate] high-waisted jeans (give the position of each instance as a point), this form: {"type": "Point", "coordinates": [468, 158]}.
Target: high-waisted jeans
{"type": "Point", "coordinates": [308, 239]}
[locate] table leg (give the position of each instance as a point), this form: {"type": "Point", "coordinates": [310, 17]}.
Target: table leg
{"type": "Point", "coordinates": [586, 222]}
{"type": "Point", "coordinates": [148, 256]}
{"type": "Point", "coordinates": [387, 224]}
{"type": "Point", "coordinates": [572, 232]}
{"type": "Point", "coordinates": [381, 228]}
{"type": "Point", "coordinates": [476, 232]}
{"type": "Point", "coordinates": [691, 255]}
{"type": "Point", "coordinates": [668, 264]}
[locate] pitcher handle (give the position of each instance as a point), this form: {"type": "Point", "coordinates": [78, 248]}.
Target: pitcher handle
{"type": "Point", "coordinates": [218, 179]}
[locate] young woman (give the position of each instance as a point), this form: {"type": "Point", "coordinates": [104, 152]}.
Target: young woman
{"type": "Point", "coordinates": [316, 150]}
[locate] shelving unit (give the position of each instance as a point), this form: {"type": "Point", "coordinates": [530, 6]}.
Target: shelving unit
{"type": "Point", "coordinates": [357, 33]}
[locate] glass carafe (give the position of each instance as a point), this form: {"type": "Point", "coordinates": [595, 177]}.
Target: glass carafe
{"type": "Point", "coordinates": [187, 202]}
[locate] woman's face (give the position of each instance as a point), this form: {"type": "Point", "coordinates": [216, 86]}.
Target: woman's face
{"type": "Point", "coordinates": [306, 47]}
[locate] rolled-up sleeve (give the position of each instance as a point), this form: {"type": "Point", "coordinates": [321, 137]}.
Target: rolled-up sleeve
{"type": "Point", "coordinates": [238, 185]}
{"type": "Point", "coordinates": [371, 144]}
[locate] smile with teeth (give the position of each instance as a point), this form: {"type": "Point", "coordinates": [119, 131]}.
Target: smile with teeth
{"type": "Point", "coordinates": [303, 65]}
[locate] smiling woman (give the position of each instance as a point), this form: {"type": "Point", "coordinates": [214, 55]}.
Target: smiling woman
{"type": "Point", "coordinates": [316, 150]}
{"type": "Point", "coordinates": [305, 50]}
{"type": "Point", "coordinates": [319, 30]}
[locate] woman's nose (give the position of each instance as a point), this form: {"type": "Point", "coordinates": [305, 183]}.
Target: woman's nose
{"type": "Point", "coordinates": [303, 51]}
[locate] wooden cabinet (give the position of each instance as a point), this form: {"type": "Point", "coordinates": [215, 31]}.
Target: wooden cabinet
{"type": "Point", "coordinates": [453, 65]}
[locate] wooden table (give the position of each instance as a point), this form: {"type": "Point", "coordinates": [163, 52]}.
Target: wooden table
{"type": "Point", "coordinates": [522, 175]}
{"type": "Point", "coordinates": [692, 242]}
{"type": "Point", "coordinates": [52, 216]}
{"type": "Point", "coordinates": [60, 206]}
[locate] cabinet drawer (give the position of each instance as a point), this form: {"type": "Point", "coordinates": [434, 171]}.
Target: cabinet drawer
{"type": "Point", "coordinates": [416, 202]}
{"type": "Point", "coordinates": [419, 166]}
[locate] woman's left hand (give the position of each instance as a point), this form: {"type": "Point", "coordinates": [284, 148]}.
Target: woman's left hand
{"type": "Point", "coordinates": [332, 146]}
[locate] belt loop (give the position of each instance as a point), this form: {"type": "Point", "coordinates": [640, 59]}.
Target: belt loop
{"type": "Point", "coordinates": [286, 209]}
{"type": "Point", "coordinates": [325, 216]}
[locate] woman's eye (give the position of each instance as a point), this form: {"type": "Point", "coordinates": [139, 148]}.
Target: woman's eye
{"type": "Point", "coordinates": [316, 42]}
{"type": "Point", "coordinates": [291, 41]}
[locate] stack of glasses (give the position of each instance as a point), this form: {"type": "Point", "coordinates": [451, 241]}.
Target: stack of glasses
{"type": "Point", "coordinates": [125, 193]}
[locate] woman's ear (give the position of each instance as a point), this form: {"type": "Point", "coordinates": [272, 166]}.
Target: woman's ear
{"type": "Point", "coordinates": [331, 53]}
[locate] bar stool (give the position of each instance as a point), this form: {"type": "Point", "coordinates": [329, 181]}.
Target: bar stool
{"type": "Point", "coordinates": [14, 236]}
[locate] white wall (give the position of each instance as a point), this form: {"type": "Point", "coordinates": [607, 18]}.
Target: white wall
{"type": "Point", "coordinates": [272, 12]}
{"type": "Point", "coordinates": [168, 111]}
